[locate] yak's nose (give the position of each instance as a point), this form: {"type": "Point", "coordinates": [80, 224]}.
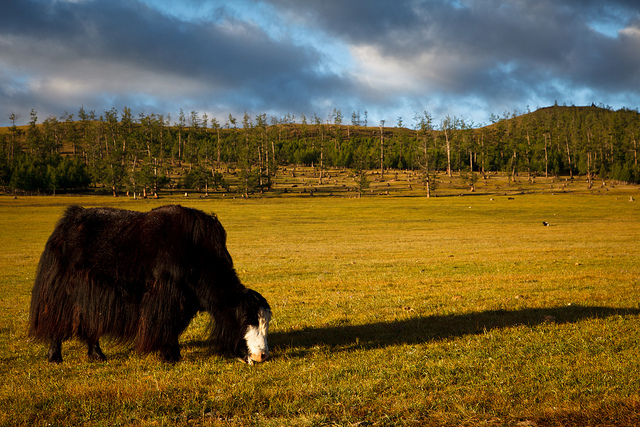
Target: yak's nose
{"type": "Point", "coordinates": [260, 357]}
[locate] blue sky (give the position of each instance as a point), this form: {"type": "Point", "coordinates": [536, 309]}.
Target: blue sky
{"type": "Point", "coordinates": [391, 58]}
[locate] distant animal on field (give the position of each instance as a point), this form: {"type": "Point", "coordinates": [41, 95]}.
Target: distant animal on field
{"type": "Point", "coordinates": [141, 278]}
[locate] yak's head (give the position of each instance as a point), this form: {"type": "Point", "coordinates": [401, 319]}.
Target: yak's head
{"type": "Point", "coordinates": [253, 315]}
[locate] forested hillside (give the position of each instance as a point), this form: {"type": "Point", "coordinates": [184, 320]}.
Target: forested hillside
{"type": "Point", "coordinates": [118, 151]}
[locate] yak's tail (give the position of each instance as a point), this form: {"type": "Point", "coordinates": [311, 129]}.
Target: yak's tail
{"type": "Point", "coordinates": [51, 312]}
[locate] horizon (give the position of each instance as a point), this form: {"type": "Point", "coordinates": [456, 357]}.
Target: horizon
{"type": "Point", "coordinates": [224, 122]}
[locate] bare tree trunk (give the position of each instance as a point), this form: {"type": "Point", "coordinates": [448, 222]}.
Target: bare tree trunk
{"type": "Point", "coordinates": [546, 158]}
{"type": "Point", "coordinates": [218, 132]}
{"type": "Point", "coordinates": [446, 137]}
{"type": "Point", "coordinates": [382, 150]}
{"type": "Point", "coordinates": [528, 161]}
{"type": "Point", "coordinates": [589, 177]}
{"type": "Point", "coordinates": [482, 147]}
{"type": "Point", "coordinates": [273, 158]}
{"type": "Point", "coordinates": [321, 153]}
{"type": "Point", "coordinates": [426, 167]}
{"type": "Point", "coordinates": [569, 158]}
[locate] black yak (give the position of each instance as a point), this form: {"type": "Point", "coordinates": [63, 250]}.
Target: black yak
{"type": "Point", "coordinates": [142, 277]}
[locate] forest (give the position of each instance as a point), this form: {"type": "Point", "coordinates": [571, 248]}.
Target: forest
{"type": "Point", "coordinates": [119, 152]}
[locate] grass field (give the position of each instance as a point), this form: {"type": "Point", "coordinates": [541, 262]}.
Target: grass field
{"type": "Point", "coordinates": [387, 311]}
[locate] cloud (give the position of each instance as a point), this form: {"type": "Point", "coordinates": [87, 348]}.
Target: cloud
{"type": "Point", "coordinates": [491, 49]}
{"type": "Point", "coordinates": [123, 49]}
{"type": "Point", "coordinates": [467, 57]}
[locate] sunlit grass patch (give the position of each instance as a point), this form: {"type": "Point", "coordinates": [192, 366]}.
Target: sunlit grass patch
{"type": "Point", "coordinates": [386, 311]}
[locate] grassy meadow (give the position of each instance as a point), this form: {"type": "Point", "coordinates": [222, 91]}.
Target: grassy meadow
{"type": "Point", "coordinates": [386, 311]}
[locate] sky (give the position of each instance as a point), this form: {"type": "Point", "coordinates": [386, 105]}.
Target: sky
{"type": "Point", "coordinates": [391, 58]}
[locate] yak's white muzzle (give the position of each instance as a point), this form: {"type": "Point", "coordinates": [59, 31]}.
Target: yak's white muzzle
{"type": "Point", "coordinates": [256, 338]}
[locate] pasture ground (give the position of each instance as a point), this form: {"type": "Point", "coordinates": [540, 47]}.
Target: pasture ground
{"type": "Point", "coordinates": [387, 311]}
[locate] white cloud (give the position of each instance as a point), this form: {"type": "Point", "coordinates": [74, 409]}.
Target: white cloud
{"type": "Point", "coordinates": [382, 73]}
{"type": "Point", "coordinates": [632, 33]}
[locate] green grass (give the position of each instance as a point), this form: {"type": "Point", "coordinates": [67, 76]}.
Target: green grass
{"type": "Point", "coordinates": [387, 311]}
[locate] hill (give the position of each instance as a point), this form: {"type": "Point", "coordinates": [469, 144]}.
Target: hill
{"type": "Point", "coordinates": [122, 153]}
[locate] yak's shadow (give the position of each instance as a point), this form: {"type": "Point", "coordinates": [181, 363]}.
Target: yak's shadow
{"type": "Point", "coordinates": [417, 330]}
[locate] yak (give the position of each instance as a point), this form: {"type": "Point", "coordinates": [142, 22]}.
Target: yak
{"type": "Point", "coordinates": [141, 277]}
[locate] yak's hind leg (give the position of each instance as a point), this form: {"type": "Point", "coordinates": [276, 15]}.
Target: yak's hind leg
{"type": "Point", "coordinates": [95, 352]}
{"type": "Point", "coordinates": [55, 351]}
{"type": "Point", "coordinates": [170, 352]}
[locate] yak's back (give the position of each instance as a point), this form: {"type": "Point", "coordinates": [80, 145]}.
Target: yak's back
{"type": "Point", "coordinates": [109, 243]}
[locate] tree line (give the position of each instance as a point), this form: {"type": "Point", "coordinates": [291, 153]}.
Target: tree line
{"type": "Point", "coordinates": [144, 153]}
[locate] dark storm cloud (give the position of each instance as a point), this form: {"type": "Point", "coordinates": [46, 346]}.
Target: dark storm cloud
{"type": "Point", "coordinates": [116, 49]}
{"type": "Point", "coordinates": [287, 56]}
{"type": "Point", "coordinates": [491, 48]}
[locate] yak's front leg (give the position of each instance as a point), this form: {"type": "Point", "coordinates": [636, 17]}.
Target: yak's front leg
{"type": "Point", "coordinates": [170, 349]}
{"type": "Point", "coordinates": [55, 351]}
{"type": "Point", "coordinates": [95, 352]}
{"type": "Point", "coordinates": [170, 352]}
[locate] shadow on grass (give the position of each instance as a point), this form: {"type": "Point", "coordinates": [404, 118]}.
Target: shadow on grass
{"type": "Point", "coordinates": [417, 330]}
{"type": "Point", "coordinates": [413, 330]}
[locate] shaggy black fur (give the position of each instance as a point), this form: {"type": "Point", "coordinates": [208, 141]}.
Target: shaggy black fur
{"type": "Point", "coordinates": [139, 277]}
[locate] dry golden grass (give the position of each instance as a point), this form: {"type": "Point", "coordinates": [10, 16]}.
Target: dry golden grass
{"type": "Point", "coordinates": [387, 311]}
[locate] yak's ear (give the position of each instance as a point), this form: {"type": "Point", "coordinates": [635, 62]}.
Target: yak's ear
{"type": "Point", "coordinates": [257, 299]}
{"type": "Point", "coordinates": [242, 308]}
